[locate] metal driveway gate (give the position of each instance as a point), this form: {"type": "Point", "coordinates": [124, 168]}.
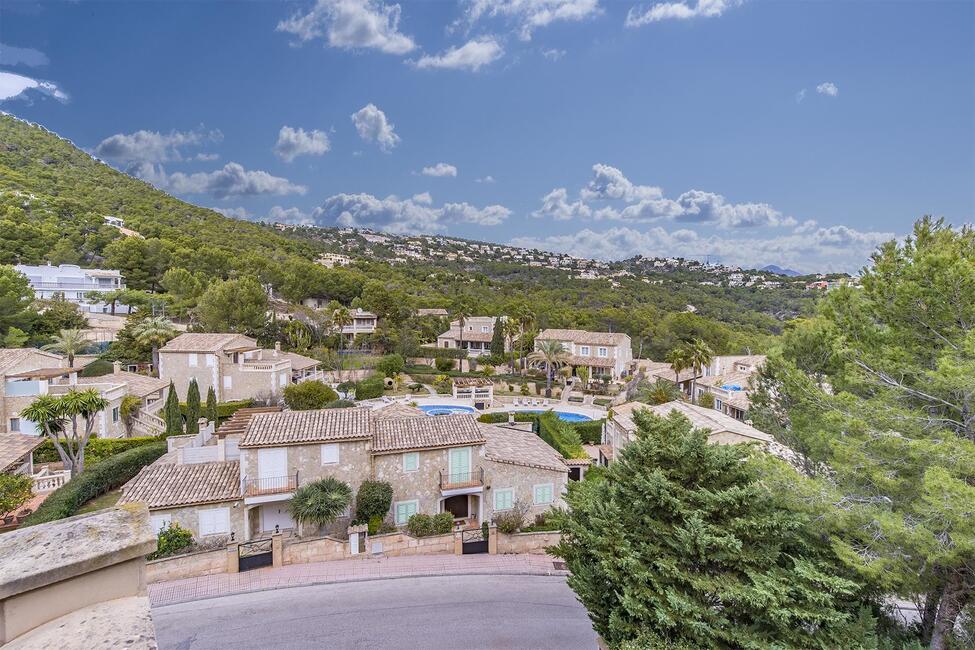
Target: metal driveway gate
{"type": "Point", "coordinates": [254, 555]}
{"type": "Point", "coordinates": [474, 541]}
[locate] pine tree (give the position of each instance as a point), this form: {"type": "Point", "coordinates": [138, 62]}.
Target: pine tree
{"type": "Point", "coordinates": [172, 414]}
{"type": "Point", "coordinates": [685, 544]}
{"type": "Point", "coordinates": [212, 413]}
{"type": "Point", "coordinates": [193, 408]}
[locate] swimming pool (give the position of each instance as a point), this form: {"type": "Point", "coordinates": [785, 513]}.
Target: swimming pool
{"type": "Point", "coordinates": [563, 415]}
{"type": "Point", "coordinates": [445, 409]}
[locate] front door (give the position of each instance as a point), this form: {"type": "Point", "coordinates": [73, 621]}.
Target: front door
{"type": "Point", "coordinates": [456, 505]}
{"type": "Point", "coordinates": [460, 465]}
{"type": "Point", "coordinates": [276, 515]}
{"type": "Point", "coordinates": [272, 468]}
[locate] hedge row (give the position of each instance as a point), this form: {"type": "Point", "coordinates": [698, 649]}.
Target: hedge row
{"type": "Point", "coordinates": [96, 480]}
{"type": "Point", "coordinates": [499, 418]}
{"type": "Point", "coordinates": [97, 450]}
{"type": "Point", "coordinates": [560, 435]}
{"type": "Point", "coordinates": [441, 353]}
{"type": "Point", "coordinates": [591, 432]}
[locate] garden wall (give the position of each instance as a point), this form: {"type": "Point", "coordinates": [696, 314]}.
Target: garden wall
{"type": "Point", "coordinates": [201, 563]}
{"type": "Point", "coordinates": [395, 544]}
{"type": "Point", "coordinates": [319, 549]}
{"type": "Point", "coordinates": [534, 543]}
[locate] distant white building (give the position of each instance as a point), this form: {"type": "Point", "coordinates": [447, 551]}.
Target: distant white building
{"type": "Point", "coordinates": [75, 283]}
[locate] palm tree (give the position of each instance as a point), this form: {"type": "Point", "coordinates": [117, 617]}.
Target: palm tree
{"type": "Point", "coordinates": [659, 392]}
{"type": "Point", "coordinates": [154, 332]}
{"type": "Point", "coordinates": [699, 356]}
{"type": "Point", "coordinates": [69, 343]}
{"type": "Point", "coordinates": [321, 502]}
{"type": "Point", "coordinates": [511, 328]}
{"type": "Point", "coordinates": [461, 313]}
{"type": "Point", "coordinates": [553, 355]}
{"type": "Point", "coordinates": [53, 414]}
{"type": "Point", "coordinates": [679, 362]}
{"type": "Point", "coordinates": [524, 317]}
{"type": "Point", "coordinates": [341, 317]}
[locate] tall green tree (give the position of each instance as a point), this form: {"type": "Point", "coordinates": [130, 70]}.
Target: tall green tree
{"type": "Point", "coordinates": [68, 421]}
{"type": "Point", "coordinates": [193, 408]}
{"type": "Point", "coordinates": [551, 354]}
{"type": "Point", "coordinates": [684, 544]}
{"type": "Point", "coordinates": [154, 332]}
{"type": "Point", "coordinates": [69, 343]}
{"type": "Point", "coordinates": [16, 297]}
{"type": "Point", "coordinates": [172, 414]}
{"type": "Point", "coordinates": [699, 356]}
{"type": "Point", "coordinates": [497, 339]}
{"type": "Point", "coordinates": [883, 411]}
{"type": "Point", "coordinates": [212, 413]}
{"type": "Point", "coordinates": [233, 306]}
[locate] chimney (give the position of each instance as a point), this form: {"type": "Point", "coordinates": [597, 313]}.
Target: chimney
{"type": "Point", "coordinates": [116, 367]}
{"type": "Point", "coordinates": [277, 347]}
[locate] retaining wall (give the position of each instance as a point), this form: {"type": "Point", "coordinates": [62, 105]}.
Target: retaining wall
{"type": "Point", "coordinates": [534, 543]}
{"type": "Point", "coordinates": [201, 563]}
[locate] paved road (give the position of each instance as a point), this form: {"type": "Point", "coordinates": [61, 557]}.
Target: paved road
{"type": "Point", "coordinates": [463, 612]}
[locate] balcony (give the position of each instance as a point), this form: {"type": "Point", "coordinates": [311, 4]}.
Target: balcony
{"type": "Point", "coordinates": [264, 365]}
{"type": "Point", "coordinates": [258, 487]}
{"type": "Point", "coordinates": [461, 480]}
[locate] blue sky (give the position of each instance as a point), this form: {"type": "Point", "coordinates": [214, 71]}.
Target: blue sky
{"type": "Point", "coordinates": [795, 133]}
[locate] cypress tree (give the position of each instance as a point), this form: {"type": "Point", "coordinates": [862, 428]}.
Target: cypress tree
{"type": "Point", "coordinates": [172, 414]}
{"type": "Point", "coordinates": [211, 410]}
{"type": "Point", "coordinates": [193, 408]}
{"type": "Point", "coordinates": [497, 340]}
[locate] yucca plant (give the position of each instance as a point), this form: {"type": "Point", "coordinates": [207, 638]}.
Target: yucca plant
{"type": "Point", "coordinates": [320, 503]}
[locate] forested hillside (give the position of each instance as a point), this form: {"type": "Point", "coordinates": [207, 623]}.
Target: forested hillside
{"type": "Point", "coordinates": [53, 198]}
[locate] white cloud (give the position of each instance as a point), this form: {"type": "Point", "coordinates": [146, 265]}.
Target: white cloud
{"type": "Point", "coordinates": [288, 215]}
{"type": "Point", "coordinates": [206, 157]}
{"type": "Point", "coordinates": [801, 95]}
{"type": "Point", "coordinates": [231, 180]}
{"type": "Point", "coordinates": [440, 169]}
{"type": "Point", "coordinates": [298, 142]}
{"type": "Point", "coordinates": [351, 24]}
{"type": "Point", "coordinates": [639, 16]}
{"type": "Point", "coordinates": [556, 205]}
{"type": "Point", "coordinates": [16, 86]}
{"type": "Point", "coordinates": [472, 55]}
{"type": "Point", "coordinates": [10, 55]}
{"type": "Point", "coordinates": [152, 146]}
{"type": "Point", "coordinates": [372, 126]}
{"type": "Point", "coordinates": [529, 15]}
{"type": "Point", "coordinates": [833, 248]}
{"type": "Point", "coordinates": [235, 213]}
{"type": "Point", "coordinates": [828, 88]}
{"type": "Point", "coordinates": [485, 179]}
{"type": "Point", "coordinates": [401, 216]}
{"type": "Point", "coordinates": [610, 183]}
{"type": "Point", "coordinates": [553, 54]}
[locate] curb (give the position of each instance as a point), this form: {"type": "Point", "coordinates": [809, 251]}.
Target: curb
{"type": "Point", "coordinates": [551, 573]}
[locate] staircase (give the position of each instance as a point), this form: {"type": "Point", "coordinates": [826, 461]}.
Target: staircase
{"type": "Point", "coordinates": [148, 424]}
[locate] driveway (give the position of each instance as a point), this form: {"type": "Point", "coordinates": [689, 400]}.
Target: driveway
{"type": "Point", "coordinates": [464, 612]}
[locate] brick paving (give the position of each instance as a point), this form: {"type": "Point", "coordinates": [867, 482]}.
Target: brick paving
{"type": "Point", "coordinates": [367, 568]}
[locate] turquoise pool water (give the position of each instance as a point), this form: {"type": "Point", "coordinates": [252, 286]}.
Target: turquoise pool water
{"type": "Point", "coordinates": [564, 415]}
{"type": "Point", "coordinates": [450, 409]}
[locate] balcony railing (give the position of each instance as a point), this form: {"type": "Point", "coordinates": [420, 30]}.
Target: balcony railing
{"type": "Point", "coordinates": [455, 480]}
{"type": "Point", "coordinates": [255, 487]}
{"type": "Point", "coordinates": [263, 365]}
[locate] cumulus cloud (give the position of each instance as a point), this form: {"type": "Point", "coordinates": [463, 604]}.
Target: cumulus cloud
{"type": "Point", "coordinates": [439, 170]}
{"type": "Point", "coordinates": [235, 213]}
{"type": "Point", "coordinates": [828, 88]}
{"type": "Point", "coordinates": [16, 86]}
{"type": "Point", "coordinates": [279, 214]}
{"type": "Point", "coordinates": [372, 126]}
{"type": "Point", "coordinates": [403, 216]}
{"type": "Point", "coordinates": [423, 198]}
{"type": "Point", "coordinates": [472, 55]}
{"type": "Point", "coordinates": [298, 142]}
{"type": "Point", "coordinates": [529, 15]}
{"type": "Point", "coordinates": [231, 180]}
{"type": "Point", "coordinates": [152, 146]}
{"type": "Point", "coordinates": [351, 24]}
{"type": "Point", "coordinates": [645, 203]}
{"type": "Point", "coordinates": [835, 248]}
{"type": "Point", "coordinates": [28, 56]}
{"type": "Point", "coordinates": [639, 16]}
{"type": "Point", "coordinates": [553, 54]}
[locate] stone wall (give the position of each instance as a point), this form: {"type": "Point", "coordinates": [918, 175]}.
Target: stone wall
{"type": "Point", "coordinates": [201, 563]}
{"type": "Point", "coordinates": [522, 481]}
{"type": "Point", "coordinates": [321, 549]}
{"type": "Point", "coordinates": [534, 543]}
{"type": "Point", "coordinates": [395, 544]}
{"type": "Point", "coordinates": [188, 517]}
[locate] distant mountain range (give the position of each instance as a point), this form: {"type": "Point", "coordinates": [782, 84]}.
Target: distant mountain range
{"type": "Point", "coordinates": [772, 268]}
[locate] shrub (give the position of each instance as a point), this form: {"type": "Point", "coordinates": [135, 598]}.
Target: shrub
{"type": "Point", "coordinates": [443, 365]}
{"type": "Point", "coordinates": [391, 365]}
{"type": "Point", "coordinates": [15, 491]}
{"type": "Point", "coordinates": [591, 433]}
{"type": "Point", "coordinates": [524, 388]}
{"type": "Point", "coordinates": [97, 450]}
{"type": "Point", "coordinates": [542, 522]}
{"type": "Point", "coordinates": [498, 418]}
{"type": "Point", "coordinates": [321, 502]}
{"type": "Point", "coordinates": [369, 388]}
{"type": "Point", "coordinates": [375, 523]}
{"type": "Point", "coordinates": [706, 400]}
{"type": "Point", "coordinates": [421, 525]}
{"type": "Point", "coordinates": [97, 368]}
{"type": "Point", "coordinates": [560, 435]}
{"type": "Point", "coordinates": [172, 540]}
{"type": "Point", "coordinates": [373, 500]}
{"type": "Point", "coordinates": [511, 521]}
{"type": "Point", "coordinates": [308, 395]}
{"type": "Point", "coordinates": [472, 364]}
{"type": "Point", "coordinates": [442, 523]}
{"type": "Point", "coordinates": [340, 404]}
{"type": "Point", "coordinates": [96, 480]}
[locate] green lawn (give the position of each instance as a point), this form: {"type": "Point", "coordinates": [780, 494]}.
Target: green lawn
{"type": "Point", "coordinates": [106, 500]}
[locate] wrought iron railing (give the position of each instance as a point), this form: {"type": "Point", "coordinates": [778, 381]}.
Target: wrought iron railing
{"type": "Point", "coordinates": [271, 485]}
{"type": "Point", "coordinates": [453, 480]}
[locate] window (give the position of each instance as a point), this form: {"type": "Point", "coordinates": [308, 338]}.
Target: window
{"type": "Point", "coordinates": [404, 510]}
{"type": "Point", "coordinates": [228, 381]}
{"type": "Point", "coordinates": [584, 351]}
{"type": "Point", "coordinates": [115, 414]}
{"type": "Point", "coordinates": [211, 359]}
{"type": "Point", "coordinates": [192, 360]}
{"type": "Point", "coordinates": [214, 521]}
{"type": "Point", "coordinates": [504, 499]}
{"type": "Point", "coordinates": [603, 352]}
{"type": "Point", "coordinates": [485, 329]}
{"type": "Point", "coordinates": [543, 494]}
{"type": "Point", "coordinates": [330, 454]}
{"type": "Point", "coordinates": [718, 404]}
{"type": "Point", "coordinates": [14, 425]}
{"type": "Point", "coordinates": [160, 522]}
{"type": "Point", "coordinates": [411, 461]}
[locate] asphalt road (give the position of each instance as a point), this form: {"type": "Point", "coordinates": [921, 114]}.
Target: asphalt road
{"type": "Point", "coordinates": [463, 612]}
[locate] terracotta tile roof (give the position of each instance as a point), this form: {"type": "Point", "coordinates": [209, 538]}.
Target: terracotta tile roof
{"type": "Point", "coordinates": [14, 447]}
{"type": "Point", "coordinates": [519, 447]}
{"type": "Point", "coordinates": [136, 384]}
{"type": "Point", "coordinates": [399, 410]}
{"type": "Point", "coordinates": [700, 417]}
{"type": "Point", "coordinates": [729, 378]}
{"type": "Point", "coordinates": [583, 337]}
{"type": "Point", "coordinates": [595, 362]}
{"type": "Point", "coordinates": [303, 427]}
{"type": "Point", "coordinates": [239, 421]}
{"type": "Point", "coordinates": [167, 485]}
{"type": "Point", "coordinates": [472, 381]}
{"type": "Point", "coordinates": [12, 356]}
{"type": "Point", "coordinates": [299, 361]}
{"type": "Point", "coordinates": [398, 434]}
{"type": "Point", "coordinates": [195, 342]}
{"type": "Point", "coordinates": [478, 337]}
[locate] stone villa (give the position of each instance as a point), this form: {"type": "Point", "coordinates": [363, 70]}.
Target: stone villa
{"type": "Point", "coordinates": [603, 353]}
{"type": "Point", "coordinates": [475, 336]}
